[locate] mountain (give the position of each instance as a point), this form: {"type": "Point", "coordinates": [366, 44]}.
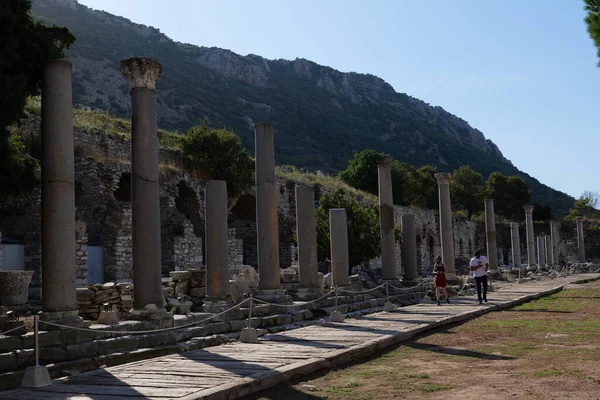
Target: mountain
{"type": "Point", "coordinates": [322, 116]}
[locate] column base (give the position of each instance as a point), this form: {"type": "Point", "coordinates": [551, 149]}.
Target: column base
{"type": "Point", "coordinates": [336, 316]}
{"type": "Point", "coordinates": [36, 377]}
{"type": "Point", "coordinates": [249, 335]}
{"type": "Point", "coordinates": [108, 317]}
{"type": "Point", "coordinates": [451, 278]}
{"type": "Point", "coordinates": [309, 294]}
{"type": "Point", "coordinates": [159, 318]}
{"type": "Point", "coordinates": [273, 296]}
{"type": "Point", "coordinates": [217, 305]}
{"type": "Point", "coordinates": [67, 318]}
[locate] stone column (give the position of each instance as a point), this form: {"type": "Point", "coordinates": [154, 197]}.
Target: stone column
{"type": "Point", "coordinates": [549, 254]}
{"type": "Point", "coordinates": [554, 239]}
{"type": "Point", "coordinates": [409, 249]}
{"type": "Point", "coordinates": [541, 251]}
{"type": "Point", "coordinates": [529, 234]}
{"type": "Point", "coordinates": [145, 205]}
{"type": "Point", "coordinates": [266, 209]}
{"type": "Point", "coordinates": [58, 196]}
{"type": "Point", "coordinates": [306, 232]}
{"type": "Point", "coordinates": [217, 247]}
{"type": "Point", "coordinates": [490, 234]}
{"type": "Point", "coordinates": [338, 240]}
{"type": "Point", "coordinates": [580, 241]}
{"type": "Point", "coordinates": [516, 244]}
{"type": "Point", "coordinates": [446, 225]}
{"type": "Point", "coordinates": [386, 219]}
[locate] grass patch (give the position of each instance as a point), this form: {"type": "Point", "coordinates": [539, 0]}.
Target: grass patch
{"type": "Point", "coordinates": [435, 387]}
{"type": "Point", "coordinates": [417, 376]}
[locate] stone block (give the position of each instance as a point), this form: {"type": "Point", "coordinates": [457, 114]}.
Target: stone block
{"type": "Point", "coordinates": [8, 361]}
{"type": "Point", "coordinates": [117, 344]}
{"type": "Point", "coordinates": [52, 354]}
{"type": "Point", "coordinates": [238, 325]}
{"type": "Point", "coordinates": [49, 338]}
{"type": "Point", "coordinates": [182, 287]}
{"type": "Point", "coordinates": [218, 327]}
{"type": "Point", "coordinates": [180, 275]}
{"type": "Point", "coordinates": [25, 357]}
{"type": "Point", "coordinates": [10, 343]}
{"type": "Point", "coordinates": [197, 292]}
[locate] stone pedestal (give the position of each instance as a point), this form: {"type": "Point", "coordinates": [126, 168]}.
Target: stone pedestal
{"type": "Point", "coordinates": [446, 232]}
{"type": "Point", "coordinates": [580, 240]}
{"type": "Point", "coordinates": [386, 219]}
{"type": "Point", "coordinates": [266, 209]}
{"type": "Point", "coordinates": [36, 377]}
{"type": "Point", "coordinates": [145, 204]}
{"type": "Point", "coordinates": [338, 236]}
{"type": "Point", "coordinates": [336, 316]}
{"type": "Point", "coordinates": [529, 235]}
{"type": "Point", "coordinates": [541, 245]}
{"type": "Point", "coordinates": [516, 244]}
{"type": "Point", "coordinates": [490, 234]}
{"type": "Point", "coordinates": [409, 249]}
{"type": "Point", "coordinates": [217, 247]}
{"type": "Point", "coordinates": [548, 247]}
{"type": "Point", "coordinates": [306, 233]}
{"type": "Point", "coordinates": [249, 335]}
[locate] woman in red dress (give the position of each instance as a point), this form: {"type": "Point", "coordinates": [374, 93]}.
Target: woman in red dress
{"type": "Point", "coordinates": [439, 279]}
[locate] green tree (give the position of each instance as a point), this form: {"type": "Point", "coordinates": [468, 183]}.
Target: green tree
{"type": "Point", "coordinates": [361, 172]}
{"type": "Point", "coordinates": [426, 188]}
{"type": "Point", "coordinates": [592, 20]}
{"type": "Point", "coordinates": [586, 205]}
{"type": "Point", "coordinates": [510, 194]}
{"type": "Point", "coordinates": [220, 153]}
{"type": "Point", "coordinates": [364, 242]}
{"type": "Point", "coordinates": [25, 47]}
{"type": "Point", "coordinates": [466, 189]}
{"type": "Point", "coordinates": [542, 212]}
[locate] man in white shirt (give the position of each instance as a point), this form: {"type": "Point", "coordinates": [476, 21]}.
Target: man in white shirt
{"type": "Point", "coordinates": [479, 265]}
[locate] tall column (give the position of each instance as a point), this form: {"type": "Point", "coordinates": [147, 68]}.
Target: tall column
{"type": "Point", "coordinates": [266, 209]}
{"type": "Point", "coordinates": [409, 248]}
{"type": "Point", "coordinates": [306, 232]}
{"type": "Point", "coordinates": [386, 219]}
{"type": "Point", "coordinates": [58, 195]}
{"type": "Point", "coordinates": [145, 205]}
{"type": "Point", "coordinates": [580, 241]}
{"type": "Point", "coordinates": [516, 244]}
{"type": "Point", "coordinates": [554, 239]}
{"type": "Point", "coordinates": [216, 240]}
{"type": "Point", "coordinates": [446, 225]}
{"type": "Point", "coordinates": [490, 234]}
{"type": "Point", "coordinates": [541, 245]}
{"type": "Point", "coordinates": [338, 241]}
{"type": "Point", "coordinates": [529, 234]}
{"type": "Point", "coordinates": [549, 253]}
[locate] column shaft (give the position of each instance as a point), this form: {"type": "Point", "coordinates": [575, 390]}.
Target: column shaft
{"type": "Point", "coordinates": [338, 236]}
{"type": "Point", "coordinates": [409, 247]}
{"type": "Point", "coordinates": [386, 218]}
{"type": "Point", "coordinates": [446, 233]}
{"type": "Point", "coordinates": [516, 244]}
{"type": "Point", "coordinates": [549, 254]}
{"type": "Point", "coordinates": [266, 209]}
{"type": "Point", "coordinates": [580, 239]}
{"type": "Point", "coordinates": [216, 240]}
{"type": "Point", "coordinates": [530, 235]}
{"type": "Point", "coordinates": [490, 234]}
{"type": "Point", "coordinates": [555, 238]}
{"type": "Point", "coordinates": [58, 193]}
{"type": "Point", "coordinates": [541, 251]}
{"type": "Point", "coordinates": [306, 232]}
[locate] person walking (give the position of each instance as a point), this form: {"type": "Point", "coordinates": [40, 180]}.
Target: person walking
{"type": "Point", "coordinates": [479, 265]}
{"type": "Point", "coordinates": [439, 279]}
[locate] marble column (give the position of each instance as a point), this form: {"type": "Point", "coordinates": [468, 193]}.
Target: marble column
{"type": "Point", "coordinates": [386, 219]}
{"type": "Point", "coordinates": [266, 209]}
{"type": "Point", "coordinates": [409, 248]}
{"type": "Point", "coordinates": [306, 232]}
{"type": "Point", "coordinates": [548, 247]}
{"type": "Point", "coordinates": [446, 233]}
{"type": "Point", "coordinates": [490, 234]}
{"type": "Point", "coordinates": [530, 236]}
{"type": "Point", "coordinates": [516, 244]}
{"type": "Point", "coordinates": [145, 205]}
{"type": "Point", "coordinates": [541, 245]}
{"type": "Point", "coordinates": [58, 195]}
{"type": "Point", "coordinates": [338, 240]}
{"type": "Point", "coordinates": [554, 239]}
{"type": "Point", "coordinates": [216, 242]}
{"type": "Point", "coordinates": [580, 240]}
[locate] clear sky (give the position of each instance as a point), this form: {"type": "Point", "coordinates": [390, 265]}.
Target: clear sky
{"type": "Point", "coordinates": [521, 71]}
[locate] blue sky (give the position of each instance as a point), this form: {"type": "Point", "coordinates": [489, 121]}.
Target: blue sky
{"type": "Point", "coordinates": [521, 71]}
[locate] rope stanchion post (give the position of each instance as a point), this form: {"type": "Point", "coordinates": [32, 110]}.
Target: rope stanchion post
{"type": "Point", "coordinates": [336, 316]}
{"type": "Point", "coordinates": [388, 306]}
{"type": "Point", "coordinates": [249, 334]}
{"type": "Point", "coordinates": [36, 376]}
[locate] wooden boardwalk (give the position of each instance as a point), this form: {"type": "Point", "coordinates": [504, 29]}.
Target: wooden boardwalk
{"type": "Point", "coordinates": [236, 369]}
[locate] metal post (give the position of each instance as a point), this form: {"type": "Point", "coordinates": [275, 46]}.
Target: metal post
{"type": "Point", "coordinates": [250, 312]}
{"type": "Point", "coordinates": [36, 340]}
{"type": "Point", "coordinates": [388, 306]}
{"type": "Point", "coordinates": [37, 375]}
{"type": "Point", "coordinates": [336, 316]}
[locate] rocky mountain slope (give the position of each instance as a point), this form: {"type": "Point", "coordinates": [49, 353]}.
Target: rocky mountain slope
{"type": "Point", "coordinates": [322, 116]}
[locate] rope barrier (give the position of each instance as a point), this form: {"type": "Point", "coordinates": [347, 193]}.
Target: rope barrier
{"type": "Point", "coordinates": [11, 330]}
{"type": "Point", "coordinates": [364, 291]}
{"type": "Point", "coordinates": [407, 289]}
{"type": "Point", "coordinates": [294, 305]}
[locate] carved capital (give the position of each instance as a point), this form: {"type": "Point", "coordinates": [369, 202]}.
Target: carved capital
{"type": "Point", "coordinates": [528, 209]}
{"type": "Point", "coordinates": [142, 72]}
{"type": "Point", "coordinates": [442, 178]}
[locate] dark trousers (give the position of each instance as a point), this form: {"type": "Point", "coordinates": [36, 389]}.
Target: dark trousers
{"type": "Point", "coordinates": [481, 280]}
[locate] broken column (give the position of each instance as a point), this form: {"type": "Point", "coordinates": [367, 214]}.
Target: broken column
{"type": "Point", "coordinates": [446, 233]}
{"type": "Point", "coordinates": [217, 248]}
{"type": "Point", "coordinates": [409, 250]}
{"type": "Point", "coordinates": [386, 219]}
{"type": "Point", "coordinates": [580, 241]}
{"type": "Point", "coordinates": [541, 245]}
{"type": "Point", "coordinates": [306, 233]}
{"type": "Point", "coordinates": [548, 247]}
{"type": "Point", "coordinates": [338, 241]}
{"type": "Point", "coordinates": [59, 301]}
{"type": "Point", "coordinates": [529, 234]}
{"type": "Point", "coordinates": [142, 73]}
{"type": "Point", "coordinates": [490, 234]}
{"type": "Point", "coordinates": [516, 244]}
{"type": "Point", "coordinates": [554, 239]}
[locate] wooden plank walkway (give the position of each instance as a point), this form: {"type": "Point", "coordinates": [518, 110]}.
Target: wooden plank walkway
{"type": "Point", "coordinates": [236, 369]}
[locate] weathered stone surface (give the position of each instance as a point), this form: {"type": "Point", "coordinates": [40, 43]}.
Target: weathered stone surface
{"type": "Point", "coordinates": [8, 361]}
{"type": "Point", "coordinates": [114, 345]}
{"type": "Point", "coordinates": [13, 287]}
{"type": "Point", "coordinates": [52, 354]}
